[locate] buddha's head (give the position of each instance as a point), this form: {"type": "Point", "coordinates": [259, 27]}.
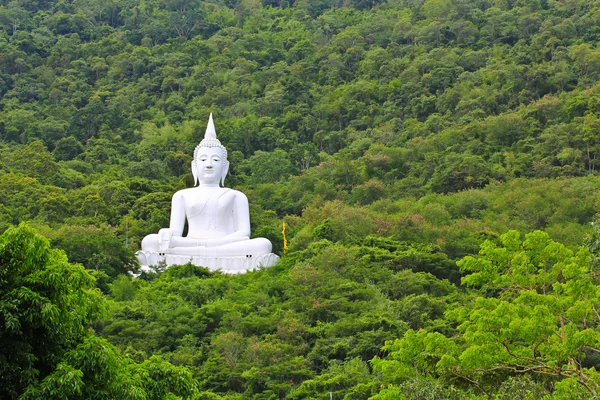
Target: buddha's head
{"type": "Point", "coordinates": [210, 165]}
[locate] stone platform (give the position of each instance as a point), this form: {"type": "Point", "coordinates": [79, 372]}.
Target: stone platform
{"type": "Point", "coordinates": [228, 265]}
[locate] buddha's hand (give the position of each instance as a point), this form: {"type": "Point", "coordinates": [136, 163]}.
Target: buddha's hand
{"type": "Point", "coordinates": [164, 239]}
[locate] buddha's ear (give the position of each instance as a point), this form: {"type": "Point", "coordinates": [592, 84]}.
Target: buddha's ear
{"type": "Point", "coordinates": [195, 173]}
{"type": "Point", "coordinates": [224, 172]}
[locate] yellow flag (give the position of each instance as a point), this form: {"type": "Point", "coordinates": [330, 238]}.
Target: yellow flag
{"type": "Point", "coordinates": [285, 246]}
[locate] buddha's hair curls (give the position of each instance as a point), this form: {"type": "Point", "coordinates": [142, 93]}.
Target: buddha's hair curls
{"type": "Point", "coordinates": [210, 142]}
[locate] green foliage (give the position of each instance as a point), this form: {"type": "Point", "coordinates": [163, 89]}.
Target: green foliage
{"type": "Point", "coordinates": [268, 331]}
{"type": "Point", "coordinates": [104, 105]}
{"type": "Point", "coordinates": [46, 307]}
{"type": "Point", "coordinates": [350, 379]}
{"type": "Point", "coordinates": [130, 84]}
{"type": "Point", "coordinates": [532, 315]}
{"type": "Point", "coordinates": [393, 137]}
{"type": "Point", "coordinates": [97, 248]}
{"type": "Point", "coordinates": [547, 294]}
{"type": "Point", "coordinates": [96, 368]}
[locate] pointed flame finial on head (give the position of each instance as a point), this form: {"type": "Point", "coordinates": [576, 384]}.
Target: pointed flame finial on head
{"type": "Point", "coordinates": [210, 138]}
{"type": "Point", "coordinates": [211, 132]}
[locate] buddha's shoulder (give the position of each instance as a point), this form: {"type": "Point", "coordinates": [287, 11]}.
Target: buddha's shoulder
{"type": "Point", "coordinates": [184, 192]}
{"type": "Point", "coordinates": [238, 194]}
{"type": "Point", "coordinates": [194, 191]}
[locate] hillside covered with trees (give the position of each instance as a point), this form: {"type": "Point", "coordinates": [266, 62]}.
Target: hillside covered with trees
{"type": "Point", "coordinates": [436, 163]}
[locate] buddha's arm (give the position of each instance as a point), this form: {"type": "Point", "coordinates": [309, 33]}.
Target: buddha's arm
{"type": "Point", "coordinates": [177, 215]}
{"type": "Point", "coordinates": [241, 216]}
{"type": "Point", "coordinates": [176, 225]}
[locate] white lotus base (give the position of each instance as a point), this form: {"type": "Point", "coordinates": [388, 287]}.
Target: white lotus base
{"type": "Point", "coordinates": [228, 265]}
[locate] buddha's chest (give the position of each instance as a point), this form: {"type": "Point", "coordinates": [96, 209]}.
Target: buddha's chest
{"type": "Point", "coordinates": [210, 211]}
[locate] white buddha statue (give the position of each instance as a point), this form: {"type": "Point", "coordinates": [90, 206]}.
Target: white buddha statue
{"type": "Point", "coordinates": [218, 220]}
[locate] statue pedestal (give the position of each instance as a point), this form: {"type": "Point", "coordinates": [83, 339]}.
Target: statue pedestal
{"type": "Point", "coordinates": [228, 265]}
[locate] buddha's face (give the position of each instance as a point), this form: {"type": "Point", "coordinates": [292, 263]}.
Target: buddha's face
{"type": "Point", "coordinates": [211, 166]}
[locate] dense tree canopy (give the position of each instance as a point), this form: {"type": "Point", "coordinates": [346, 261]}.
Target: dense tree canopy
{"type": "Point", "coordinates": [404, 143]}
{"type": "Point", "coordinates": [48, 308]}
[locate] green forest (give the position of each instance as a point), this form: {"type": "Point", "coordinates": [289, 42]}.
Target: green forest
{"type": "Point", "coordinates": [436, 163]}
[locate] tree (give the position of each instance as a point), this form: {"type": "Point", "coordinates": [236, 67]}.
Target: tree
{"type": "Point", "coordinates": [350, 379]}
{"type": "Point", "coordinates": [588, 135]}
{"type": "Point", "coordinates": [96, 248]}
{"type": "Point", "coordinates": [46, 308]}
{"type": "Point", "coordinates": [47, 349]}
{"type": "Point", "coordinates": [96, 369]}
{"type": "Point", "coordinates": [12, 17]}
{"type": "Point", "coordinates": [186, 16]}
{"type": "Point", "coordinates": [267, 167]}
{"type": "Point", "coordinates": [67, 148]}
{"type": "Point", "coordinates": [535, 315]}
{"type": "Point", "coordinates": [544, 321]}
